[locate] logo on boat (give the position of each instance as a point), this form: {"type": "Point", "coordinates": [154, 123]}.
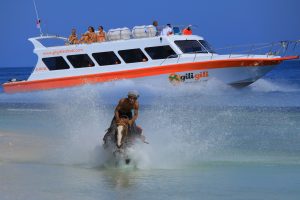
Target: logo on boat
{"type": "Point", "coordinates": [176, 78]}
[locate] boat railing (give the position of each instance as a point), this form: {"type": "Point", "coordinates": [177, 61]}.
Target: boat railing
{"type": "Point", "coordinates": [48, 41]}
{"type": "Point", "coordinates": [281, 48]}
{"type": "Point", "coordinates": [172, 56]}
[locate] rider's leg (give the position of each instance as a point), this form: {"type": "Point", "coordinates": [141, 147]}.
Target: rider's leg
{"type": "Point", "coordinates": [137, 132]}
{"type": "Point", "coordinates": [110, 130]}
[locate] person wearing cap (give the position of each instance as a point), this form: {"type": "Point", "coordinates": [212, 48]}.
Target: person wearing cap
{"type": "Point", "coordinates": [187, 31]}
{"type": "Point", "coordinates": [124, 110]}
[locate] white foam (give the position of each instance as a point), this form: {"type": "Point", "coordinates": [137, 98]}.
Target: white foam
{"type": "Point", "coordinates": [85, 117]}
{"type": "Point", "coordinates": [263, 85]}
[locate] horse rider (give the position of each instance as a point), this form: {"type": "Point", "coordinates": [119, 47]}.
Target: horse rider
{"type": "Point", "coordinates": [124, 110]}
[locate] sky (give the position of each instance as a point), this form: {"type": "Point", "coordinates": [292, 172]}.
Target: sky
{"type": "Point", "coordinates": [221, 22]}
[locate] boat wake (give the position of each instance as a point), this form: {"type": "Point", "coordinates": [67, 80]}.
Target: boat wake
{"type": "Point", "coordinates": [264, 85]}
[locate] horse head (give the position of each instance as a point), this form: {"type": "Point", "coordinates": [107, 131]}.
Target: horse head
{"type": "Point", "coordinates": [121, 132]}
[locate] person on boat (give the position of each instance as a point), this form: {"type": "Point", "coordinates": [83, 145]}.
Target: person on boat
{"type": "Point", "coordinates": [158, 29]}
{"type": "Point", "coordinates": [89, 36]}
{"type": "Point", "coordinates": [101, 36]}
{"type": "Point", "coordinates": [124, 109]}
{"type": "Point", "coordinates": [187, 31]}
{"type": "Point", "coordinates": [73, 39]}
{"type": "Point", "coordinates": [167, 30]}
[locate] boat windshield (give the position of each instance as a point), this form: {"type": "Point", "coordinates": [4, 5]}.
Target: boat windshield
{"type": "Point", "coordinates": [193, 46]}
{"type": "Point", "coordinates": [207, 46]}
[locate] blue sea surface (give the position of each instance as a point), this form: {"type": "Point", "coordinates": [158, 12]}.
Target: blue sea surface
{"type": "Point", "coordinates": [19, 73]}
{"type": "Point", "coordinates": [208, 141]}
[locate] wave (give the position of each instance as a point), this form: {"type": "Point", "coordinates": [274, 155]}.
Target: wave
{"type": "Point", "coordinates": [263, 85]}
{"type": "Point", "coordinates": [112, 91]}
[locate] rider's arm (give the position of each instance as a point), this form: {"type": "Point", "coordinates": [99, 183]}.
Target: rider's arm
{"type": "Point", "coordinates": [135, 113]}
{"type": "Point", "coordinates": [118, 108]}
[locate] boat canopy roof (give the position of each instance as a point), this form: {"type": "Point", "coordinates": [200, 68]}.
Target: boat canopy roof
{"type": "Point", "coordinates": [137, 32]}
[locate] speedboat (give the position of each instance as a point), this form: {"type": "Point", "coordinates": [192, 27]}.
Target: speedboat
{"type": "Point", "coordinates": [141, 53]}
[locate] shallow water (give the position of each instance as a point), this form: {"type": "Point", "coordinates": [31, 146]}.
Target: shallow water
{"type": "Point", "coordinates": [207, 141]}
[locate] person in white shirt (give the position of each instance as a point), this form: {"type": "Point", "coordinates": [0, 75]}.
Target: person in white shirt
{"type": "Point", "coordinates": [167, 30]}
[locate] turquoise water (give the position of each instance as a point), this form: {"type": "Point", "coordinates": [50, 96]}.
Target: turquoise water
{"type": "Point", "coordinates": [207, 141]}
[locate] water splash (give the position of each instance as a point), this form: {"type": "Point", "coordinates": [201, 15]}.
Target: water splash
{"type": "Point", "coordinates": [185, 125]}
{"type": "Point", "coordinates": [264, 85]}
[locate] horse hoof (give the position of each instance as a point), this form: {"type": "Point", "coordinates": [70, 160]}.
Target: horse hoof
{"type": "Point", "coordinates": [127, 161]}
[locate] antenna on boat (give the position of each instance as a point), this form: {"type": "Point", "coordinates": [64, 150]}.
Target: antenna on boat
{"type": "Point", "coordinates": [38, 20]}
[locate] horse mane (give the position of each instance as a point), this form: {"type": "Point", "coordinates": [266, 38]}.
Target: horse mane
{"type": "Point", "coordinates": [123, 122]}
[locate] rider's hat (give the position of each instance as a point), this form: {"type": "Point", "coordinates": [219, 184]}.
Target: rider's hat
{"type": "Point", "coordinates": [133, 93]}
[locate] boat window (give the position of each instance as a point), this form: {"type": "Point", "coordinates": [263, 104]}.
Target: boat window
{"type": "Point", "coordinates": [207, 46]}
{"type": "Point", "coordinates": [161, 52]}
{"type": "Point", "coordinates": [190, 46]}
{"type": "Point", "coordinates": [133, 55]}
{"type": "Point", "coordinates": [106, 58]}
{"type": "Point", "coordinates": [55, 63]}
{"type": "Point", "coordinates": [80, 60]}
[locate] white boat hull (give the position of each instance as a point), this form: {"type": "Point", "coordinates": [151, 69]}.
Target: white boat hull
{"type": "Point", "coordinates": [175, 74]}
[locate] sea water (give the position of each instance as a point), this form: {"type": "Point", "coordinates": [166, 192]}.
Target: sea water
{"type": "Point", "coordinates": [207, 141]}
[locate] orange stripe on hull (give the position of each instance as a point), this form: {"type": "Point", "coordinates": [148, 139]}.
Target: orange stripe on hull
{"type": "Point", "coordinates": [136, 73]}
